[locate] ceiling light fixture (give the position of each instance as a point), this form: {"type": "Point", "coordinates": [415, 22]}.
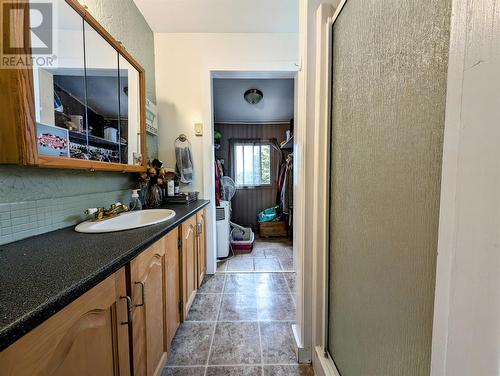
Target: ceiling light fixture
{"type": "Point", "coordinates": [253, 96]}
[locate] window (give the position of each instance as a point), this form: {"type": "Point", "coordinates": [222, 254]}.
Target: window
{"type": "Point", "coordinates": [252, 164]}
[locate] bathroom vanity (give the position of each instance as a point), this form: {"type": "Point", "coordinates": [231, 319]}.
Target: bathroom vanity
{"type": "Point", "coordinates": [77, 104]}
{"type": "Point", "coordinates": [99, 304]}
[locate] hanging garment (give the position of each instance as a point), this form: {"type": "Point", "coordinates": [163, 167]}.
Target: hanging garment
{"type": "Point", "coordinates": [287, 191]}
{"type": "Point", "coordinates": [281, 177]}
{"type": "Point", "coordinates": [220, 168]}
{"type": "Point", "coordinates": [217, 185]}
{"type": "Point", "coordinates": [184, 160]}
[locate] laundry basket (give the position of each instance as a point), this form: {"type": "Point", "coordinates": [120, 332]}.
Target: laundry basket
{"type": "Point", "coordinates": [242, 239]}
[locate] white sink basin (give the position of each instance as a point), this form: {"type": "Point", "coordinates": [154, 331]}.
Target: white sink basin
{"type": "Point", "coordinates": [127, 221]}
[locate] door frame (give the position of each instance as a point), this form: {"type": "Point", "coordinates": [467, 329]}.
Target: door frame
{"type": "Point", "coordinates": [325, 17]}
{"type": "Point", "coordinates": [269, 70]}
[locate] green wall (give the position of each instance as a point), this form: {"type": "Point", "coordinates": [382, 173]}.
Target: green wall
{"type": "Point", "coordinates": [33, 200]}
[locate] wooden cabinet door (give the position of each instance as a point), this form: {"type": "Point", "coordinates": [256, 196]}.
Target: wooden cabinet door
{"type": "Point", "coordinates": [173, 294]}
{"type": "Point", "coordinates": [189, 272]}
{"type": "Point", "coordinates": [202, 246]}
{"type": "Point", "coordinates": [147, 283]}
{"type": "Point", "coordinates": [88, 337]}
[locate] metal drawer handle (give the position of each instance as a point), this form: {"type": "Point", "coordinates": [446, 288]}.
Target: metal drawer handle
{"type": "Point", "coordinates": [200, 228]}
{"type": "Point", "coordinates": [143, 295]}
{"type": "Point", "coordinates": [129, 310]}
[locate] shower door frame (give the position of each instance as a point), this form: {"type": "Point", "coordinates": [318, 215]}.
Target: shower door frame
{"type": "Point", "coordinates": [325, 18]}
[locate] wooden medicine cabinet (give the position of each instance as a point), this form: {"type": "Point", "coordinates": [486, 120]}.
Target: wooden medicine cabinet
{"type": "Point", "coordinates": [80, 107]}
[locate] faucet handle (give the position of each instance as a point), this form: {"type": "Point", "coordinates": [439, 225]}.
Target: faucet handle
{"type": "Point", "coordinates": [91, 211]}
{"type": "Point", "coordinates": [98, 213]}
{"type": "Point", "coordinates": [118, 205]}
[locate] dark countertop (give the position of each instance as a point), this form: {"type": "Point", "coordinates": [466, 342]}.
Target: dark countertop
{"type": "Point", "coordinates": [41, 275]}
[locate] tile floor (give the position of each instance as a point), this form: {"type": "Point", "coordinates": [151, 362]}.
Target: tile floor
{"type": "Point", "coordinates": [268, 255]}
{"type": "Point", "coordinates": [239, 324]}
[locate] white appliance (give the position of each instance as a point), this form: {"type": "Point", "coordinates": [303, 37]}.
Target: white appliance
{"type": "Point", "coordinates": [222, 217]}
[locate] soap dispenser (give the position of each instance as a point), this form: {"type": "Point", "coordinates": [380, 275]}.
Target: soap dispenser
{"type": "Point", "coordinates": [135, 202]}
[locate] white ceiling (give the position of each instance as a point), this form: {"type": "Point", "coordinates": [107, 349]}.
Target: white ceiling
{"type": "Point", "coordinates": [221, 16]}
{"type": "Point", "coordinates": [230, 105]}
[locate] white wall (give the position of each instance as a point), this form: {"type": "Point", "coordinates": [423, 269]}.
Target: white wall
{"type": "Point", "coordinates": [185, 65]}
{"type": "Point", "coordinates": [466, 338]}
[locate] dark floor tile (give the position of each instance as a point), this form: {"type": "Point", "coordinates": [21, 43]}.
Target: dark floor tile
{"type": "Point", "coordinates": [235, 371]}
{"type": "Point", "coordinates": [240, 264]}
{"type": "Point", "coordinates": [205, 307]}
{"type": "Point", "coordinates": [291, 280]}
{"type": "Point", "coordinates": [276, 252]}
{"type": "Point", "coordinates": [277, 343]}
{"type": "Point", "coordinates": [237, 307]}
{"type": "Point", "coordinates": [291, 370]}
{"type": "Point", "coordinates": [276, 307]}
{"type": "Point", "coordinates": [256, 252]}
{"type": "Point", "coordinates": [183, 371]}
{"type": "Point", "coordinates": [278, 241]}
{"type": "Point", "coordinates": [191, 344]}
{"type": "Point", "coordinates": [264, 244]}
{"type": "Point", "coordinates": [244, 283]}
{"type": "Point", "coordinates": [270, 283]}
{"type": "Point", "coordinates": [235, 343]}
{"type": "Point", "coordinates": [267, 264]}
{"type": "Point", "coordinates": [287, 264]}
{"type": "Point", "coordinates": [212, 283]}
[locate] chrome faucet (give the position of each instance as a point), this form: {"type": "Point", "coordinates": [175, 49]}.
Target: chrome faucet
{"type": "Point", "coordinates": [101, 214]}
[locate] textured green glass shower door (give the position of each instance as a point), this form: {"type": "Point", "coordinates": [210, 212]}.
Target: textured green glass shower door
{"type": "Point", "coordinates": [389, 69]}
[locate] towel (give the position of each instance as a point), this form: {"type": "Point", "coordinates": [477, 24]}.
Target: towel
{"type": "Point", "coordinates": [184, 162]}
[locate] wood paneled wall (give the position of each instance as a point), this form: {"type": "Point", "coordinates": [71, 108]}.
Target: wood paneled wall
{"type": "Point", "coordinates": [248, 202]}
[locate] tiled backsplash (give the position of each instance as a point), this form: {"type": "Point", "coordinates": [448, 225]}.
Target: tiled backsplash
{"type": "Point", "coordinates": [19, 220]}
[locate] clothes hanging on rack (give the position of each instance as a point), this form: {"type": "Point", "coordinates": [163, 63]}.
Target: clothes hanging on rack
{"type": "Point", "coordinates": [287, 186]}
{"type": "Point", "coordinates": [281, 178]}
{"type": "Point", "coordinates": [219, 173]}
{"type": "Point", "coordinates": [217, 185]}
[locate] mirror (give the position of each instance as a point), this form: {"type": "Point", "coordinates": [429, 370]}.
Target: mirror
{"type": "Point", "coordinates": [130, 125]}
{"type": "Point", "coordinates": [59, 87]}
{"type": "Point", "coordinates": [103, 105]}
{"type": "Point", "coordinates": [87, 103]}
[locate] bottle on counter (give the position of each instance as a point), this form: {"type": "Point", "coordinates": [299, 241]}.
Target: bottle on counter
{"type": "Point", "coordinates": [171, 188]}
{"type": "Point", "coordinates": [176, 186]}
{"type": "Point", "coordinates": [135, 202]}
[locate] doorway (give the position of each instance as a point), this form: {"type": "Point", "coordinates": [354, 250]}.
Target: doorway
{"type": "Point", "coordinates": [244, 312]}
{"type": "Point", "coordinates": [253, 151]}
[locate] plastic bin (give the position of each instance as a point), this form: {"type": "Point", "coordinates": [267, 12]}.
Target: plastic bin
{"type": "Point", "coordinates": [242, 246]}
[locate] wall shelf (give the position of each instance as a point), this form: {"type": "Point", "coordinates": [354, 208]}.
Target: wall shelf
{"type": "Point", "coordinates": [82, 137]}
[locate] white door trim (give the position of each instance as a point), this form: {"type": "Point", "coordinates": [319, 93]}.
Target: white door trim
{"type": "Point", "coordinates": [262, 70]}
{"type": "Point", "coordinates": [299, 152]}
{"type": "Point", "coordinates": [325, 17]}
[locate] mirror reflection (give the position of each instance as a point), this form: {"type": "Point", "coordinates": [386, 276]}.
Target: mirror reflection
{"type": "Point", "coordinates": [130, 112]}
{"type": "Point", "coordinates": [87, 102]}
{"type": "Point", "coordinates": [103, 107]}
{"type": "Point", "coordinates": [60, 100]}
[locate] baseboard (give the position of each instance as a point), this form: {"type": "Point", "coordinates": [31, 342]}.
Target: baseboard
{"type": "Point", "coordinates": [323, 365]}
{"type": "Point", "coordinates": [303, 353]}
